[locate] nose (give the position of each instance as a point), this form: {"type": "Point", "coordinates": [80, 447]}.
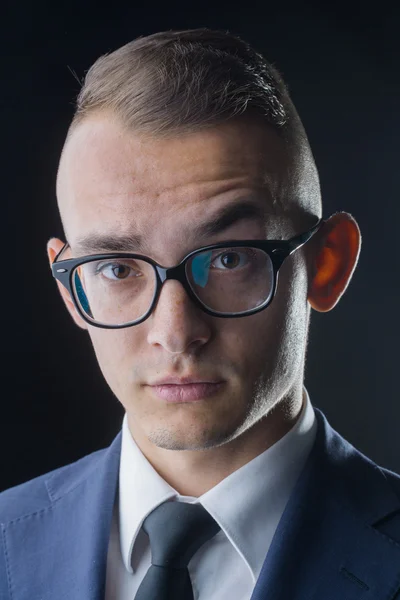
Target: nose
{"type": "Point", "coordinates": [176, 323]}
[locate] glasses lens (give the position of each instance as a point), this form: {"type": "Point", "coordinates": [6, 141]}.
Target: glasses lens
{"type": "Point", "coordinates": [114, 291]}
{"type": "Point", "coordinates": [231, 280]}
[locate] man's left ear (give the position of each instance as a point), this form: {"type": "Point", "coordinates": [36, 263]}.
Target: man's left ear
{"type": "Point", "coordinates": [335, 258]}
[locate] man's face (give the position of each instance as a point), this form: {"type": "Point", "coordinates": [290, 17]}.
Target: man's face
{"type": "Point", "coordinates": [115, 183]}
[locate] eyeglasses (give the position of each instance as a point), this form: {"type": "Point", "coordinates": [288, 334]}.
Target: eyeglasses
{"type": "Point", "coordinates": [230, 279]}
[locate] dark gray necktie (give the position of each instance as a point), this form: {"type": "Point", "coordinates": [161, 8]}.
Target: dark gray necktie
{"type": "Point", "coordinates": [176, 531]}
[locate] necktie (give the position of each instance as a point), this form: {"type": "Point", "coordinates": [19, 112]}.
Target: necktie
{"type": "Point", "coordinates": [176, 531]}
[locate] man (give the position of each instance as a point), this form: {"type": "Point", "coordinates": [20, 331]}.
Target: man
{"type": "Point", "coordinates": [186, 188]}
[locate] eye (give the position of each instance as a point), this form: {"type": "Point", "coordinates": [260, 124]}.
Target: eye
{"type": "Point", "coordinates": [118, 270]}
{"type": "Point", "coordinates": [230, 259]}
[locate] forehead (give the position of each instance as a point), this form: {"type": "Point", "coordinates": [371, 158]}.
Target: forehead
{"type": "Point", "coordinates": [111, 180]}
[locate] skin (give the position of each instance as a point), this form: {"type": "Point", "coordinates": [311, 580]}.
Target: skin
{"type": "Point", "coordinates": [115, 181]}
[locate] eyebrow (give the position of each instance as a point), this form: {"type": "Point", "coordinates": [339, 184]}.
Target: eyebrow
{"type": "Point", "coordinates": [93, 243]}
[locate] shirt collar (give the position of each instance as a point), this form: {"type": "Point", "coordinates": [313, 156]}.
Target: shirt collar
{"type": "Point", "coordinates": [255, 494]}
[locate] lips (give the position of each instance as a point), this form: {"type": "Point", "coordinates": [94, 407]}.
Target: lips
{"type": "Point", "coordinates": [184, 380]}
{"type": "Point", "coordinates": [188, 389]}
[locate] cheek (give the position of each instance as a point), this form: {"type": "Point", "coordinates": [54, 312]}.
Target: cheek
{"type": "Point", "coordinates": [272, 341]}
{"type": "Point", "coordinates": [114, 350]}
{"type": "Point", "coordinates": [288, 319]}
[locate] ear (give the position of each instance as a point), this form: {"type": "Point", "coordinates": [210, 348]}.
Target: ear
{"type": "Point", "coordinates": [54, 246]}
{"type": "Point", "coordinates": [337, 249]}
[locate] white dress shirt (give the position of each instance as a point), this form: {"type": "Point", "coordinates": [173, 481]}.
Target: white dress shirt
{"type": "Point", "coordinates": [247, 505]}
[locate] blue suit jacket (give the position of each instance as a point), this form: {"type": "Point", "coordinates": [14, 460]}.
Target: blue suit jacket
{"type": "Point", "coordinates": [338, 539]}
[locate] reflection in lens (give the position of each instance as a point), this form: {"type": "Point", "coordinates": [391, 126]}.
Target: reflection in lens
{"type": "Point", "coordinates": [114, 291]}
{"type": "Point", "coordinates": [231, 280]}
{"type": "Point", "coordinates": [201, 268]}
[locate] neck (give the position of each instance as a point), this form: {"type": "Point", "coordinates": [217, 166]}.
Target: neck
{"type": "Point", "coordinates": [194, 472]}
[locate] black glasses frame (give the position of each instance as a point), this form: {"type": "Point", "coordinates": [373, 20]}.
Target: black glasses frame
{"type": "Point", "coordinates": [277, 250]}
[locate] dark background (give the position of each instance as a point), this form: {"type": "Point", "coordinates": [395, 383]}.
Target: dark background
{"type": "Point", "coordinates": [342, 64]}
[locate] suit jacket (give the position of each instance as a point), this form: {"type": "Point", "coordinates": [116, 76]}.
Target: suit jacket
{"type": "Point", "coordinates": [338, 538]}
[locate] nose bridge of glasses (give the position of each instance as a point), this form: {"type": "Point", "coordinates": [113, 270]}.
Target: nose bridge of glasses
{"type": "Point", "coordinates": [177, 273]}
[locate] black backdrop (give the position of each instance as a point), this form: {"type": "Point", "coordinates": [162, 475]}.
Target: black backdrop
{"type": "Point", "coordinates": [341, 61]}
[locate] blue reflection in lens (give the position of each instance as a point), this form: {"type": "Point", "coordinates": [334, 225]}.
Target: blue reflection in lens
{"type": "Point", "coordinates": [81, 295]}
{"type": "Point", "coordinates": [201, 268]}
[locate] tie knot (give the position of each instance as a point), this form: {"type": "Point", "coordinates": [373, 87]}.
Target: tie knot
{"type": "Point", "coordinates": [176, 531]}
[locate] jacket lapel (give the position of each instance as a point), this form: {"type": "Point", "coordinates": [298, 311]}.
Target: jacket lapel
{"type": "Point", "coordinates": [328, 543]}
{"type": "Point", "coordinates": [61, 551]}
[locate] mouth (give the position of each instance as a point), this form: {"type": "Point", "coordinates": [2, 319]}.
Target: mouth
{"type": "Point", "coordinates": [185, 390]}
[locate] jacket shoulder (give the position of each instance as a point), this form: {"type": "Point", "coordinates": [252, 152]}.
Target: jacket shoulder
{"type": "Point", "coordinates": [35, 495]}
{"type": "Point", "coordinates": [393, 480]}
{"type": "Point", "coordinates": [391, 525]}
{"type": "Point", "coordinates": [370, 491]}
